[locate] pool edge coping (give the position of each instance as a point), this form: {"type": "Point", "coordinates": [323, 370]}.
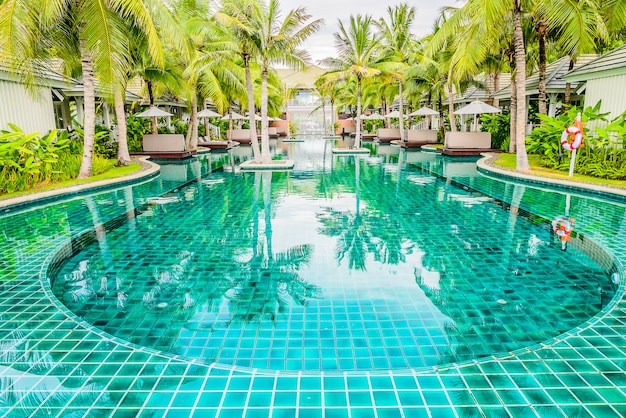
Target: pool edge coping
{"type": "Point", "coordinates": [486, 163]}
{"type": "Point", "coordinates": [149, 168]}
{"type": "Point", "coordinates": [620, 292]}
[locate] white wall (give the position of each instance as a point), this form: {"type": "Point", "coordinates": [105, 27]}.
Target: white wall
{"type": "Point", "coordinates": [30, 113]}
{"type": "Point", "coordinates": [611, 91]}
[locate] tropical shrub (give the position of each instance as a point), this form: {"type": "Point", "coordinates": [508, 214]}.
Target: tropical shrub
{"type": "Point", "coordinates": [104, 144]}
{"type": "Point", "coordinates": [136, 129]}
{"type": "Point", "coordinates": [26, 160]}
{"type": "Point", "coordinates": [599, 157]}
{"type": "Point", "coordinates": [499, 125]}
{"type": "Point", "coordinates": [30, 160]}
{"type": "Point", "coordinates": [293, 130]}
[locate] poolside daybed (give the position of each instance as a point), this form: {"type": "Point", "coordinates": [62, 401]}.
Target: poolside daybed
{"type": "Point", "coordinates": [166, 146]}
{"type": "Point", "coordinates": [240, 135]}
{"type": "Point", "coordinates": [218, 145]}
{"type": "Point", "coordinates": [388, 134]}
{"type": "Point", "coordinates": [365, 136]}
{"type": "Point", "coordinates": [467, 143]}
{"type": "Point", "coordinates": [415, 138]}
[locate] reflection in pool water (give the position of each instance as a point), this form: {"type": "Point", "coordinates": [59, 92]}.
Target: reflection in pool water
{"type": "Point", "coordinates": [346, 263]}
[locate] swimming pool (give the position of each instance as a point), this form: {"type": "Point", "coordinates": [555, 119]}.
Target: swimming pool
{"type": "Point", "coordinates": [320, 346]}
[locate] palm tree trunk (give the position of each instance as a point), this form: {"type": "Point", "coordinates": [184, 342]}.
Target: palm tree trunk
{"type": "Point", "coordinates": [153, 120]}
{"type": "Point", "coordinates": [90, 112]}
{"type": "Point", "coordinates": [401, 104]}
{"type": "Point", "coordinates": [254, 140]}
{"type": "Point", "coordinates": [429, 104]}
{"type": "Point", "coordinates": [442, 127]}
{"type": "Point", "coordinates": [496, 87]}
{"type": "Point", "coordinates": [451, 107]}
{"type": "Point", "coordinates": [324, 127]}
{"type": "Point", "coordinates": [332, 116]}
{"type": "Point", "coordinates": [568, 89]}
{"type": "Point", "coordinates": [357, 135]}
{"type": "Point", "coordinates": [265, 139]}
{"type": "Point", "coordinates": [192, 129]}
{"type": "Point", "coordinates": [542, 30]}
{"type": "Point", "coordinates": [520, 80]}
{"type": "Point", "coordinates": [123, 157]}
{"type": "Point", "coordinates": [513, 110]}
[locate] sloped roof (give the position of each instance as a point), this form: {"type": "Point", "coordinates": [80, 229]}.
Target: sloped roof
{"type": "Point", "coordinates": [44, 70]}
{"type": "Point", "coordinates": [476, 93]}
{"type": "Point", "coordinates": [554, 77]}
{"type": "Point", "coordinates": [607, 64]}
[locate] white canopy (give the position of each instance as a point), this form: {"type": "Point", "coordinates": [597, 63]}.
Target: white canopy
{"type": "Point", "coordinates": [477, 107]}
{"type": "Point", "coordinates": [376, 116]}
{"type": "Point", "coordinates": [153, 112]}
{"type": "Point", "coordinates": [394, 114]}
{"type": "Point", "coordinates": [424, 111]}
{"type": "Point", "coordinates": [235, 116]}
{"type": "Point", "coordinates": [208, 113]}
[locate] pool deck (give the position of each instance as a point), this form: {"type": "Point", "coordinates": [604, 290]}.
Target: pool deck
{"type": "Point", "coordinates": [580, 373]}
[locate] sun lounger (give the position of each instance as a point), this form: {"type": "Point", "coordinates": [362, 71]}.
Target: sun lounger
{"type": "Point", "coordinates": [165, 146]}
{"type": "Point", "coordinates": [467, 143]}
{"type": "Point", "coordinates": [415, 138]}
{"type": "Point", "coordinates": [217, 145]}
{"type": "Point", "coordinates": [280, 130]}
{"type": "Point", "coordinates": [272, 132]}
{"type": "Point", "coordinates": [240, 135]}
{"type": "Point", "coordinates": [365, 136]}
{"type": "Point", "coordinates": [347, 130]}
{"type": "Point", "coordinates": [388, 134]}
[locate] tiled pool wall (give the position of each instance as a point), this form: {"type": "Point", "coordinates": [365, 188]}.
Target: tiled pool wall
{"type": "Point", "coordinates": [52, 364]}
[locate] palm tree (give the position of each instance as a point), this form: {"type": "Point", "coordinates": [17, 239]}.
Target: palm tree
{"type": "Point", "coordinates": [475, 28]}
{"type": "Point", "coordinates": [398, 42]}
{"type": "Point", "coordinates": [277, 42]}
{"type": "Point", "coordinates": [578, 26]}
{"type": "Point", "coordinates": [141, 64]}
{"type": "Point", "coordinates": [358, 52]}
{"type": "Point", "coordinates": [89, 31]}
{"type": "Point", "coordinates": [238, 16]}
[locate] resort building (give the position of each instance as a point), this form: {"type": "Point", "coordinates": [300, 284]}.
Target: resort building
{"type": "Point", "coordinates": [555, 84]}
{"type": "Point", "coordinates": [603, 80]}
{"type": "Point", "coordinates": [303, 105]}
{"type": "Point", "coordinates": [38, 108]}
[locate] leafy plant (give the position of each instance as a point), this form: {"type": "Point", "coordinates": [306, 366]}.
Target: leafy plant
{"type": "Point", "coordinates": [598, 157]}
{"type": "Point", "coordinates": [293, 130]}
{"type": "Point", "coordinates": [499, 125]}
{"type": "Point", "coordinates": [27, 159]}
{"type": "Point", "coordinates": [136, 129]}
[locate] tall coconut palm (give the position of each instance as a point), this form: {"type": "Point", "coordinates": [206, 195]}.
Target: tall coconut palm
{"type": "Point", "coordinates": [398, 42]}
{"type": "Point", "coordinates": [477, 26]}
{"type": "Point", "coordinates": [238, 16]}
{"type": "Point", "coordinates": [278, 41]}
{"type": "Point", "coordinates": [91, 30]}
{"type": "Point", "coordinates": [206, 59]}
{"type": "Point", "coordinates": [141, 64]}
{"type": "Point", "coordinates": [358, 50]}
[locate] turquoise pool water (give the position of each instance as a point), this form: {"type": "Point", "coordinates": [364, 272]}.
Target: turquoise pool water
{"type": "Point", "coordinates": [256, 278]}
{"type": "Point", "coordinates": [369, 266]}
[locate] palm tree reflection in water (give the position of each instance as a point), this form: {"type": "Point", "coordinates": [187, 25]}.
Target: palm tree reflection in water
{"type": "Point", "coordinates": [269, 283]}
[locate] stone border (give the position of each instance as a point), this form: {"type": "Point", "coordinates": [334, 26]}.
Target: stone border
{"type": "Point", "coordinates": [274, 165]}
{"type": "Point", "coordinates": [350, 151]}
{"type": "Point", "coordinates": [148, 168]}
{"type": "Point", "coordinates": [487, 165]}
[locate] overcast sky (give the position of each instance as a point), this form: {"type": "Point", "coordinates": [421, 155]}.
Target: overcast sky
{"type": "Point", "coordinates": [322, 44]}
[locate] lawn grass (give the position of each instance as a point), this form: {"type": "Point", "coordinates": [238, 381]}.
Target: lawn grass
{"type": "Point", "coordinates": [112, 172]}
{"type": "Point", "coordinates": [508, 161]}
